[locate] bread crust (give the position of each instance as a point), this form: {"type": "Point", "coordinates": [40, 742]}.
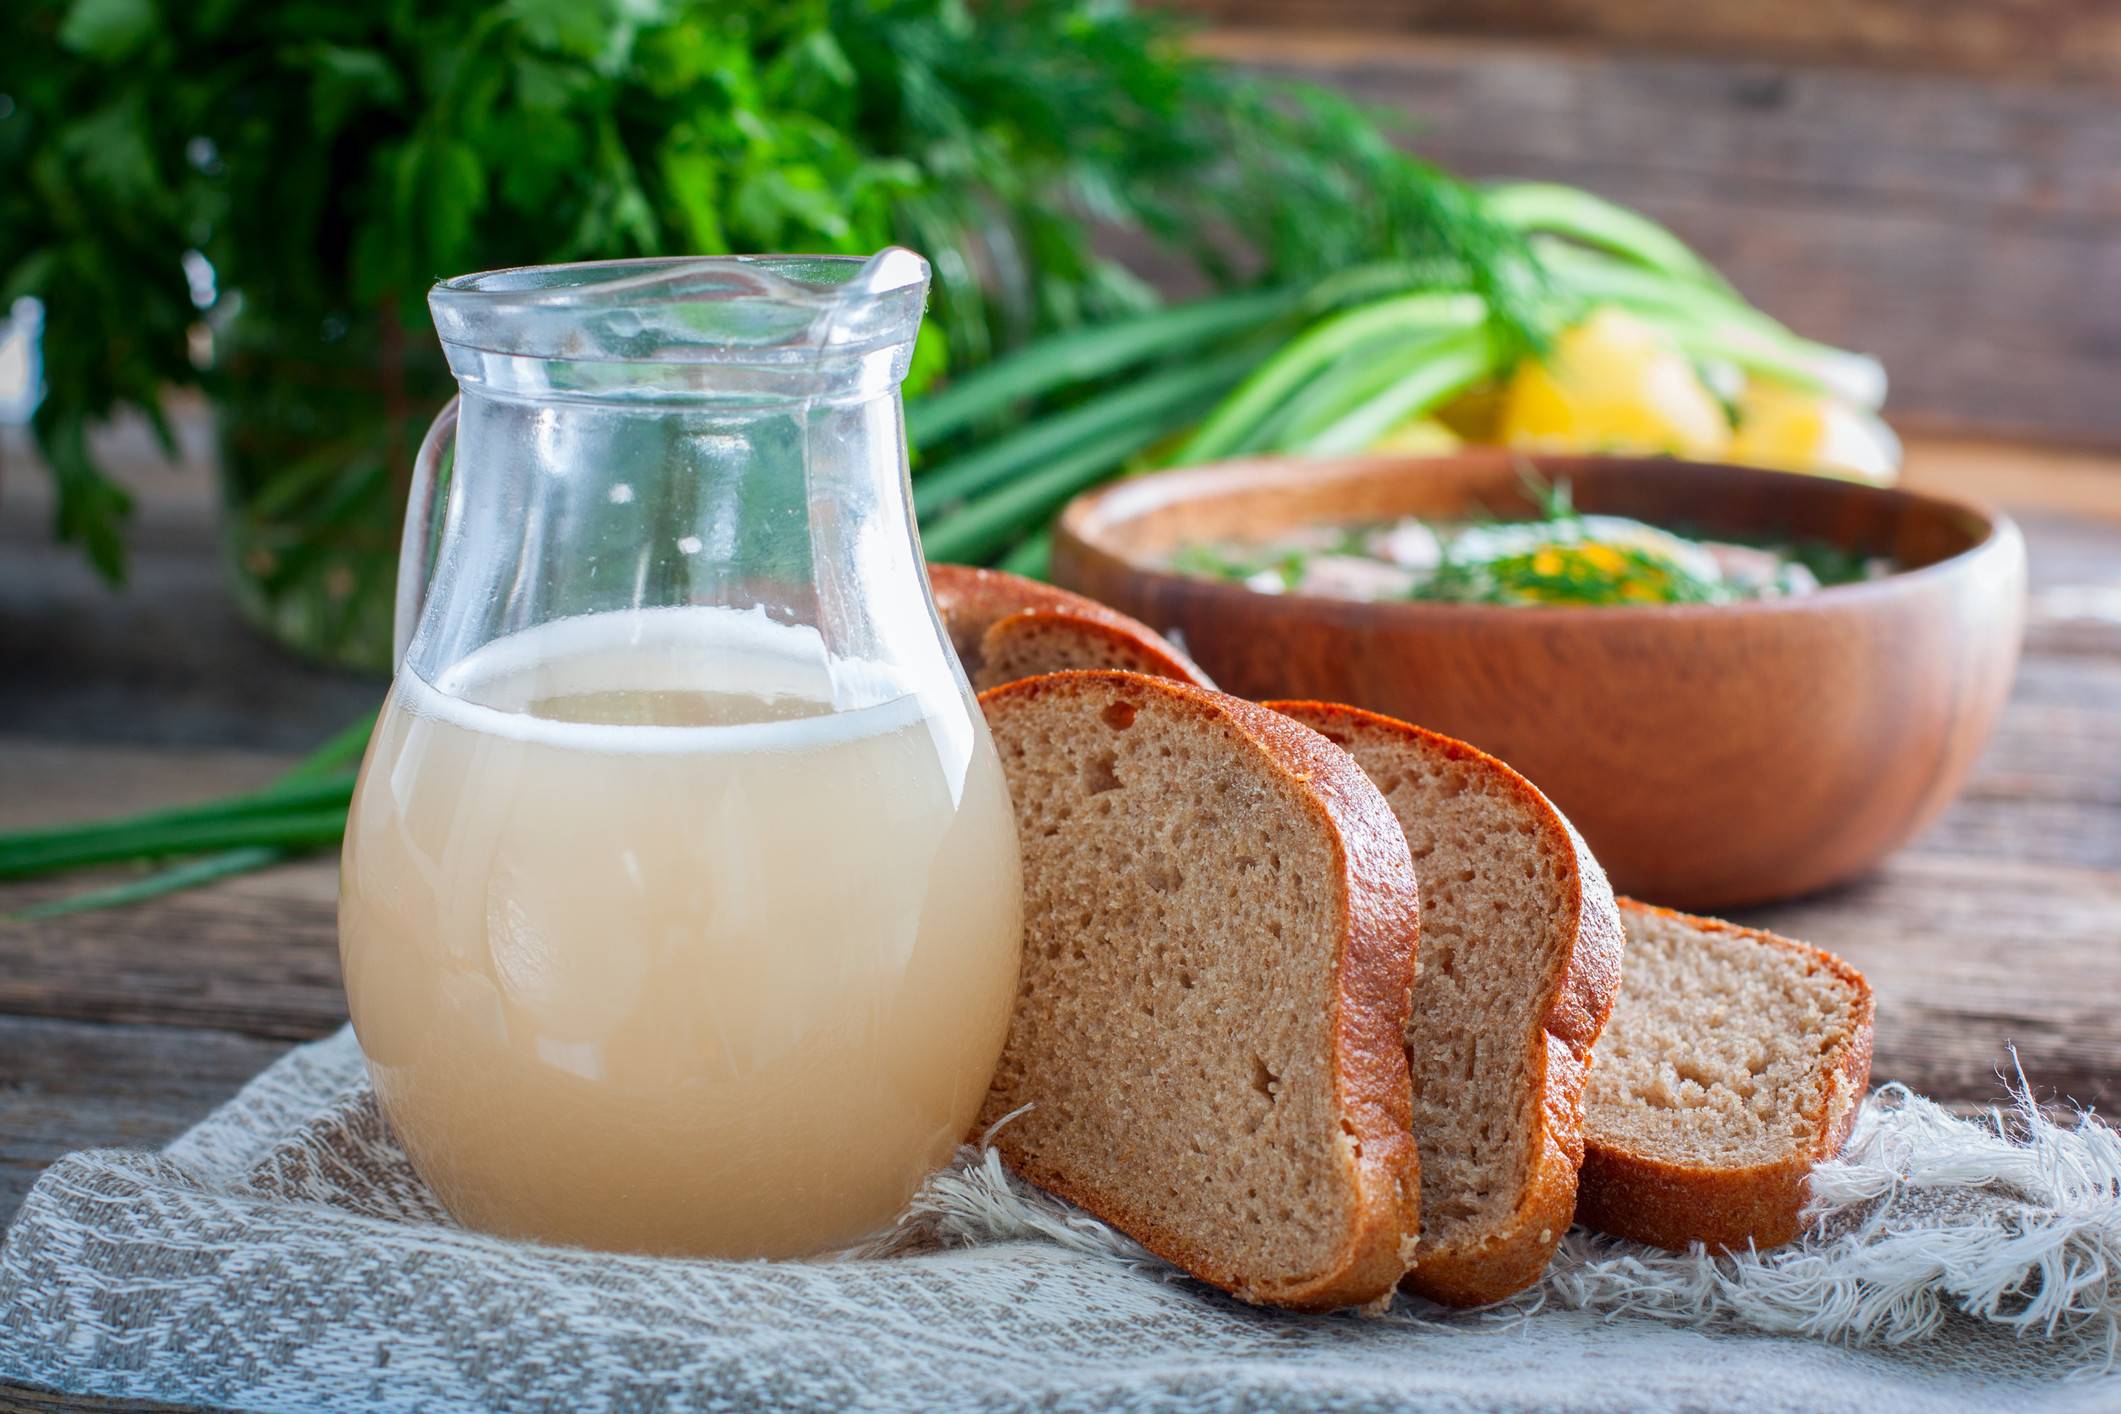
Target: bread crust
{"type": "Point", "coordinates": [1117, 643]}
{"type": "Point", "coordinates": [1579, 999]}
{"type": "Point", "coordinates": [1670, 1205]}
{"type": "Point", "coordinates": [982, 610]}
{"type": "Point", "coordinates": [1373, 975]}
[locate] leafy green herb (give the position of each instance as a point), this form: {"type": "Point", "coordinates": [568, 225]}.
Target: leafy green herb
{"type": "Point", "coordinates": [1225, 562]}
{"type": "Point", "coordinates": [1207, 561]}
{"type": "Point", "coordinates": [1829, 564]}
{"type": "Point", "coordinates": [205, 869]}
{"type": "Point", "coordinates": [1561, 560]}
{"type": "Point", "coordinates": [1291, 567]}
{"type": "Point", "coordinates": [293, 174]}
{"type": "Point", "coordinates": [1555, 500]}
{"type": "Point", "coordinates": [1592, 574]}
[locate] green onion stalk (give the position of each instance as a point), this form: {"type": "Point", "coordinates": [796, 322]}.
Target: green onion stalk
{"type": "Point", "coordinates": [302, 811]}
{"type": "Point", "coordinates": [1319, 369]}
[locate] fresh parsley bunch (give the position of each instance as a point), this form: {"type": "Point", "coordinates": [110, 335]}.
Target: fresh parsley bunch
{"type": "Point", "coordinates": [293, 174]}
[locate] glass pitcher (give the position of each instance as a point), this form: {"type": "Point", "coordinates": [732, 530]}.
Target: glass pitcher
{"type": "Point", "coordinates": [679, 907]}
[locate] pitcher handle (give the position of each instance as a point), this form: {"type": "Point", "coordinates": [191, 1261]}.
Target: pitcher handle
{"type": "Point", "coordinates": [413, 550]}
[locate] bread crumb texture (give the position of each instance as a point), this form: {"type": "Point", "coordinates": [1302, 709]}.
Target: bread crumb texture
{"type": "Point", "coordinates": [1173, 1028]}
{"type": "Point", "coordinates": [1050, 641]}
{"type": "Point", "coordinates": [1718, 1049]}
{"type": "Point", "coordinates": [1493, 947]}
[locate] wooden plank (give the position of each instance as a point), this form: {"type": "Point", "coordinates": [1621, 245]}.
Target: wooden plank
{"type": "Point", "coordinates": [1972, 955]}
{"type": "Point", "coordinates": [50, 782]}
{"type": "Point", "coordinates": [21, 1399]}
{"type": "Point", "coordinates": [2047, 791]}
{"type": "Point", "coordinates": [2030, 479]}
{"type": "Point", "coordinates": [257, 955]}
{"type": "Point", "coordinates": [2043, 39]}
{"type": "Point", "coordinates": [68, 1085]}
{"type": "Point", "coordinates": [1991, 929]}
{"type": "Point", "coordinates": [1999, 927]}
{"type": "Point", "coordinates": [1962, 230]}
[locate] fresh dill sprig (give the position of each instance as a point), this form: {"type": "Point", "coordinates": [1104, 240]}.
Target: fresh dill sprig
{"type": "Point", "coordinates": [1554, 500]}
{"type": "Point", "coordinates": [1597, 574]}
{"type": "Point", "coordinates": [1209, 561]}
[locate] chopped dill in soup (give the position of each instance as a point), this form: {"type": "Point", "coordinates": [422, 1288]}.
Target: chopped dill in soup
{"type": "Point", "coordinates": [1561, 556]}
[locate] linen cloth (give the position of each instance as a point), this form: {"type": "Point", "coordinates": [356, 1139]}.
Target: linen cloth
{"type": "Point", "coordinates": [283, 1255]}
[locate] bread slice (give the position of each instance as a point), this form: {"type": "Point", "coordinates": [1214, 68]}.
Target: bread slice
{"type": "Point", "coordinates": [1520, 961]}
{"type": "Point", "coordinates": [1219, 930]}
{"type": "Point", "coordinates": [1005, 627]}
{"type": "Point", "coordinates": [1734, 1062]}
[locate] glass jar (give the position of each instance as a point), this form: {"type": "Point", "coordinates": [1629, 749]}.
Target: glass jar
{"type": "Point", "coordinates": [679, 908]}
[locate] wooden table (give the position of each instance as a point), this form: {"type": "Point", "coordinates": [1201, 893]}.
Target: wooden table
{"type": "Point", "coordinates": [2001, 927]}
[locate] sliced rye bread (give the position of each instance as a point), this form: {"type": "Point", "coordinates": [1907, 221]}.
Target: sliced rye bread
{"type": "Point", "coordinates": [1207, 1049]}
{"type": "Point", "coordinates": [1005, 627]}
{"type": "Point", "coordinates": [1520, 961]}
{"type": "Point", "coordinates": [1734, 1062]}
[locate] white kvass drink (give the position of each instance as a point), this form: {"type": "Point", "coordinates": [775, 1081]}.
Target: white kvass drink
{"type": "Point", "coordinates": [654, 944]}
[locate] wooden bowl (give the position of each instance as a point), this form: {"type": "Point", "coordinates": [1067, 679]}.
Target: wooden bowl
{"type": "Point", "coordinates": [1712, 755]}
